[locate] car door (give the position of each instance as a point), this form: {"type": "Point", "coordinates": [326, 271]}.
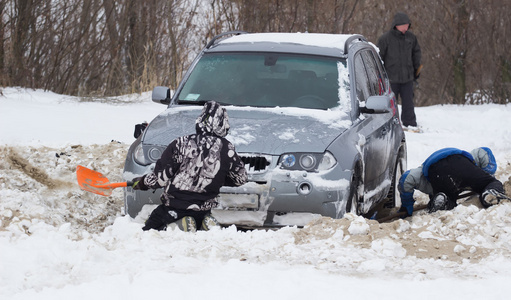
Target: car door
{"type": "Point", "coordinates": [374, 128]}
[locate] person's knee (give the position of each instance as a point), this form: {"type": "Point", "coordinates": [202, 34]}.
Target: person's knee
{"type": "Point", "coordinates": [160, 217]}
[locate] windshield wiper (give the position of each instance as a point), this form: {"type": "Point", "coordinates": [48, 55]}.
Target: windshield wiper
{"type": "Point", "coordinates": [201, 102]}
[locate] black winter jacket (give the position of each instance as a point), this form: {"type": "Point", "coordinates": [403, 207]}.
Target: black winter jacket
{"type": "Point", "coordinates": [193, 168]}
{"type": "Point", "coordinates": [400, 53]}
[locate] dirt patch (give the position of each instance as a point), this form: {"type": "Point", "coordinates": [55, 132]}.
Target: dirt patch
{"type": "Point", "coordinates": [420, 242]}
{"type": "Point", "coordinates": [40, 183]}
{"type": "Point", "coordinates": [35, 173]}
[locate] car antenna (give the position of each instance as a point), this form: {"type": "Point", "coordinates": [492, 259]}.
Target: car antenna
{"type": "Point", "coordinates": [235, 32]}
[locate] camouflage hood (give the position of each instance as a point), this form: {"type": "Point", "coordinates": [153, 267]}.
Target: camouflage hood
{"type": "Point", "coordinates": [213, 120]}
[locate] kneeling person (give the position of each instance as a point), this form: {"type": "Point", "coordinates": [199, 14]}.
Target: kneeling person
{"type": "Point", "coordinates": [448, 172]}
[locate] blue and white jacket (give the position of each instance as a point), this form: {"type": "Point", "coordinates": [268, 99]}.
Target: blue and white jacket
{"type": "Point", "coordinates": [417, 179]}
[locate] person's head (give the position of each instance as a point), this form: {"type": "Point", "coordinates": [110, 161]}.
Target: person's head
{"type": "Point", "coordinates": [484, 159]}
{"type": "Point", "coordinates": [403, 28]}
{"type": "Point", "coordinates": [213, 120]}
{"type": "Point", "coordinates": [401, 22]}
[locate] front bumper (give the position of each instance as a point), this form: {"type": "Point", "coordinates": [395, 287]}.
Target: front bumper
{"type": "Point", "coordinates": [289, 198]}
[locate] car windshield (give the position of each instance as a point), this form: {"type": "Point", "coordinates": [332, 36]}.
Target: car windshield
{"type": "Point", "coordinates": [266, 80]}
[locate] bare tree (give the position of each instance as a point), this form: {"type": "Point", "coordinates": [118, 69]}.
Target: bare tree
{"type": "Point", "coordinates": [110, 47]}
{"type": "Point", "coordinates": [3, 78]}
{"type": "Point", "coordinates": [23, 23]}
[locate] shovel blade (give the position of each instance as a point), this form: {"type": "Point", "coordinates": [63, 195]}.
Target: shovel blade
{"type": "Point", "coordinates": [94, 182]}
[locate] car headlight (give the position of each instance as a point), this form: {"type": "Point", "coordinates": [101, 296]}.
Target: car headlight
{"type": "Point", "coordinates": [328, 161]}
{"type": "Point", "coordinates": [146, 158]}
{"type": "Point", "coordinates": [307, 161]}
{"type": "Point", "coordinates": [288, 160]}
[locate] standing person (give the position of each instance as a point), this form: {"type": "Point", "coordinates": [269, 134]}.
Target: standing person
{"type": "Point", "coordinates": [191, 170]}
{"type": "Point", "coordinates": [401, 55]}
{"type": "Point", "coordinates": [448, 172]}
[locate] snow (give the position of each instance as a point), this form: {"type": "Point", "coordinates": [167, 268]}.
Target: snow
{"type": "Point", "coordinates": [58, 242]}
{"type": "Point", "coordinates": [335, 41]}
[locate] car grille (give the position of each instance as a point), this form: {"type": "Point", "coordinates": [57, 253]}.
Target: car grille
{"type": "Point", "coordinates": [256, 164]}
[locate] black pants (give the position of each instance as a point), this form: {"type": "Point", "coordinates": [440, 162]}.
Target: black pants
{"type": "Point", "coordinates": [405, 92]}
{"type": "Point", "coordinates": [163, 215]}
{"type": "Point", "coordinates": [456, 173]}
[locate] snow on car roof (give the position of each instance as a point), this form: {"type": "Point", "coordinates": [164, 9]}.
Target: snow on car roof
{"type": "Point", "coordinates": [308, 39]}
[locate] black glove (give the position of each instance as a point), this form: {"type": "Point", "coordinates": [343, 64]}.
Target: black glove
{"type": "Point", "coordinates": [138, 184]}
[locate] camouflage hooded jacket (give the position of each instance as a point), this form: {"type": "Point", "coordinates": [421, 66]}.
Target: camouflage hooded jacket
{"type": "Point", "coordinates": [193, 168]}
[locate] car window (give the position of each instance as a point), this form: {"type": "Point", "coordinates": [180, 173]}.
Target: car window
{"type": "Point", "coordinates": [265, 80]}
{"type": "Point", "coordinates": [375, 79]}
{"type": "Point", "coordinates": [384, 80]}
{"type": "Point", "coordinates": [362, 82]}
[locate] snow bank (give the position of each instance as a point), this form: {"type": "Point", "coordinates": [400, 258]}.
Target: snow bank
{"type": "Point", "coordinates": [58, 242]}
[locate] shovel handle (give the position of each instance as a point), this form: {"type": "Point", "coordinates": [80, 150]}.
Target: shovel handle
{"type": "Point", "coordinates": [114, 185]}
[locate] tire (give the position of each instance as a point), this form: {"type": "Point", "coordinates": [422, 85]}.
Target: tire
{"type": "Point", "coordinates": [353, 201]}
{"type": "Point", "coordinates": [393, 198]}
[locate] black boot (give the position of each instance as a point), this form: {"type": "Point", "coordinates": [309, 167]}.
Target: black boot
{"type": "Point", "coordinates": [440, 202]}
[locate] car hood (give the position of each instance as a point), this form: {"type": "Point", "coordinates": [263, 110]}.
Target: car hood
{"type": "Point", "coordinates": [257, 130]}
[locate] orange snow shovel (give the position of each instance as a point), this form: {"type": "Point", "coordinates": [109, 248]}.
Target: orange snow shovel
{"type": "Point", "coordinates": [94, 182]}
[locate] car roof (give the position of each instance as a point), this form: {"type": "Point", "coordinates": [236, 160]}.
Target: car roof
{"type": "Point", "coordinates": [335, 45]}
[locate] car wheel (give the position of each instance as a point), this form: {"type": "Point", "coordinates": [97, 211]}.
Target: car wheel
{"type": "Point", "coordinates": [353, 204]}
{"type": "Point", "coordinates": [393, 197]}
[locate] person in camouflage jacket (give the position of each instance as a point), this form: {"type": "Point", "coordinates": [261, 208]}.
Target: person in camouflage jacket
{"type": "Point", "coordinates": [192, 169]}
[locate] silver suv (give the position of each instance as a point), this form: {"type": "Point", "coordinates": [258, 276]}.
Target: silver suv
{"type": "Point", "coordinates": [312, 116]}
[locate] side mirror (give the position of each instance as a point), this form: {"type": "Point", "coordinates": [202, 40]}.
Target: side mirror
{"type": "Point", "coordinates": [377, 104]}
{"type": "Point", "coordinates": [161, 95]}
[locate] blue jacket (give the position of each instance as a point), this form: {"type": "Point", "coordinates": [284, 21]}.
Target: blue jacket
{"type": "Point", "coordinates": [441, 154]}
{"type": "Point", "coordinates": [417, 179]}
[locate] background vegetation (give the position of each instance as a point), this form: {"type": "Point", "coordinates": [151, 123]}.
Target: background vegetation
{"type": "Point", "coordinates": [113, 47]}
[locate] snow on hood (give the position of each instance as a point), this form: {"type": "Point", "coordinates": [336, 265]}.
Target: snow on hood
{"type": "Point", "coordinates": [260, 130]}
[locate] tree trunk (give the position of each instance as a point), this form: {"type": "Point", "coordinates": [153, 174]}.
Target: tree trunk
{"type": "Point", "coordinates": [23, 10]}
{"type": "Point", "coordinates": [3, 78]}
{"type": "Point", "coordinates": [460, 85]}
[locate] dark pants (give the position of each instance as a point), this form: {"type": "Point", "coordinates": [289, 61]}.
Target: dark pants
{"type": "Point", "coordinates": [405, 92]}
{"type": "Point", "coordinates": [163, 215]}
{"type": "Point", "coordinates": [456, 173]}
